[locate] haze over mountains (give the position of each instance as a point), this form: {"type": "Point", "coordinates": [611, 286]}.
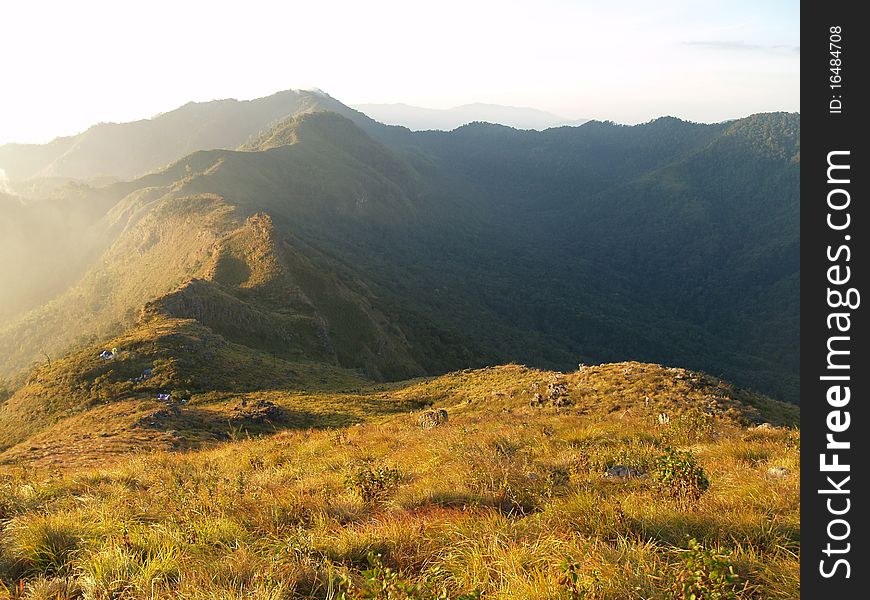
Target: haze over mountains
{"type": "Point", "coordinates": [296, 230]}
{"type": "Point", "coordinates": [447, 119]}
{"type": "Point", "coordinates": [128, 150]}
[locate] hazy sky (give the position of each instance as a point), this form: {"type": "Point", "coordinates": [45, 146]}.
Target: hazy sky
{"type": "Point", "coordinates": [66, 65]}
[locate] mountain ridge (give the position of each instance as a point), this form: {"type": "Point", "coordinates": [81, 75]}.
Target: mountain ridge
{"type": "Point", "coordinates": [485, 238]}
{"type": "Point", "coordinates": [422, 119]}
{"type": "Point", "coordinates": [150, 144]}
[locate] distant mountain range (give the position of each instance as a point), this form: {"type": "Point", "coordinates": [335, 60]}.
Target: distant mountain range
{"type": "Point", "coordinates": [128, 150]}
{"type": "Point", "coordinates": [110, 151]}
{"type": "Point", "coordinates": [417, 118]}
{"type": "Point", "coordinates": [294, 229]}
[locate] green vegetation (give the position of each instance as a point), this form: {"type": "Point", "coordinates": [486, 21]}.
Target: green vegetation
{"type": "Point", "coordinates": [680, 476]}
{"type": "Point", "coordinates": [373, 484]}
{"type": "Point", "coordinates": [706, 574]}
{"type": "Point", "coordinates": [409, 253]}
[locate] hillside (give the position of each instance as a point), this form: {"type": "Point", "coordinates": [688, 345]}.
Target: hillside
{"type": "Point", "coordinates": [482, 245]}
{"type": "Point", "coordinates": [630, 242]}
{"type": "Point", "coordinates": [65, 407]}
{"type": "Point", "coordinates": [52, 196]}
{"type": "Point", "coordinates": [508, 499]}
{"type": "Point", "coordinates": [235, 275]}
{"type": "Point", "coordinates": [267, 286]}
{"type": "Point", "coordinates": [46, 245]}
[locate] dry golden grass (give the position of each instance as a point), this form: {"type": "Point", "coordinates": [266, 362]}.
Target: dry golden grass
{"type": "Point", "coordinates": [503, 501]}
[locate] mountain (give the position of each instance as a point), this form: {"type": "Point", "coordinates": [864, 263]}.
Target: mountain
{"type": "Point", "coordinates": [633, 240]}
{"type": "Point", "coordinates": [129, 150]}
{"type": "Point", "coordinates": [52, 195]}
{"type": "Point", "coordinates": [446, 119]}
{"type": "Point", "coordinates": [332, 238]}
{"type": "Point", "coordinates": [196, 255]}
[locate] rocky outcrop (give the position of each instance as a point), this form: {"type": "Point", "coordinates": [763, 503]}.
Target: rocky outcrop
{"type": "Point", "coordinates": [777, 472]}
{"type": "Point", "coordinates": [433, 418]}
{"type": "Point", "coordinates": [261, 411]}
{"type": "Point", "coordinates": [623, 472]}
{"type": "Point", "coordinates": [555, 394]}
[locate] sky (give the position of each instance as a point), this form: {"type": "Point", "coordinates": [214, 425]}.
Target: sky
{"type": "Point", "coordinates": [67, 65]}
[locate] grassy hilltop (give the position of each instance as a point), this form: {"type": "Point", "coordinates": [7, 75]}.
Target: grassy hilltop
{"type": "Point", "coordinates": [505, 500]}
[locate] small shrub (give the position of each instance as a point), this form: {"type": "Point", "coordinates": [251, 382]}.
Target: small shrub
{"type": "Point", "coordinates": [705, 574]}
{"type": "Point", "coordinates": [379, 581]}
{"type": "Point", "coordinates": [680, 476]}
{"type": "Point", "coordinates": [374, 484]}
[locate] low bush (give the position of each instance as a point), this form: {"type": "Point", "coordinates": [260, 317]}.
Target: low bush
{"type": "Point", "coordinates": [680, 476]}
{"type": "Point", "coordinates": [374, 484]}
{"type": "Point", "coordinates": [704, 574]}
